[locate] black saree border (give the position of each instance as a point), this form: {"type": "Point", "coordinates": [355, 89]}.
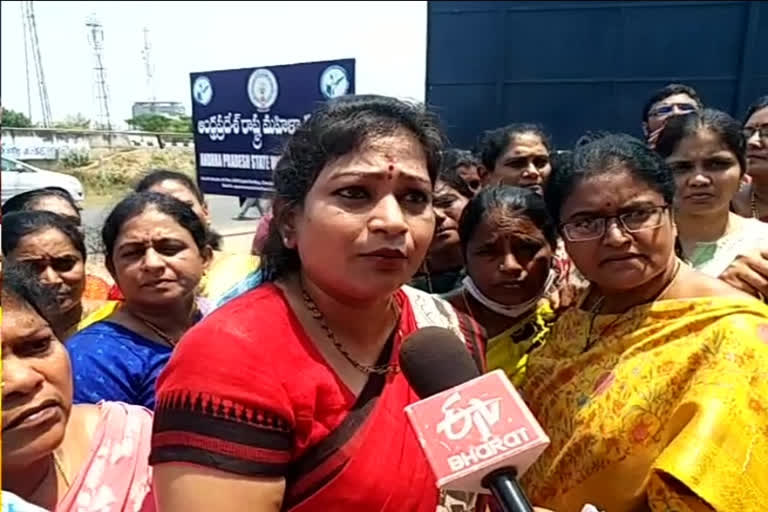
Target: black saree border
{"type": "Point", "coordinates": [309, 473]}
{"type": "Point", "coordinates": [204, 429]}
{"type": "Point", "coordinates": [219, 461]}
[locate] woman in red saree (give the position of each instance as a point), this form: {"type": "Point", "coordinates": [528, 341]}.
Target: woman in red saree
{"type": "Point", "coordinates": [290, 397]}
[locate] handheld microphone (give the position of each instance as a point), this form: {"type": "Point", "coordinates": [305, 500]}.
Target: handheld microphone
{"type": "Point", "coordinates": [476, 431]}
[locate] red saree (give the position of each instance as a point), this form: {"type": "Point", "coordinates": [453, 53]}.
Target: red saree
{"type": "Point", "coordinates": [247, 392]}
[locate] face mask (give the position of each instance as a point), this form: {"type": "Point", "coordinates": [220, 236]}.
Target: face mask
{"type": "Point", "coordinates": [515, 310]}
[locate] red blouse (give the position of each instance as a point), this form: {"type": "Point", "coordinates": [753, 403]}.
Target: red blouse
{"type": "Point", "coordinates": [247, 392]}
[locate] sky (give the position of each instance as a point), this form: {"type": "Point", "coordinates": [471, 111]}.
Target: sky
{"type": "Point", "coordinates": [387, 39]}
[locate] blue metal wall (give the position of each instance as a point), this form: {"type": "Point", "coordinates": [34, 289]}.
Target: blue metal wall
{"type": "Point", "coordinates": [577, 65]}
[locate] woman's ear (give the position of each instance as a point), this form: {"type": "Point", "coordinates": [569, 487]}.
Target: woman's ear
{"type": "Point", "coordinates": [746, 180]}
{"type": "Point", "coordinates": [288, 231]}
{"type": "Point", "coordinates": [207, 214]}
{"type": "Point", "coordinates": [111, 269]}
{"type": "Point", "coordinates": [207, 255]}
{"type": "Point", "coordinates": [286, 217]}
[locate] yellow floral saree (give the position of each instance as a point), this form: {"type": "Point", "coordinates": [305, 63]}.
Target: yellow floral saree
{"type": "Point", "coordinates": [668, 411]}
{"type": "Point", "coordinates": [226, 270]}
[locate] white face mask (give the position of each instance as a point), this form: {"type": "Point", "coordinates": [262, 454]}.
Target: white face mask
{"type": "Point", "coordinates": [515, 310]}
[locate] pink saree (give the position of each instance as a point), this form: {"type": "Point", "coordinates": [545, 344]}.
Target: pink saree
{"type": "Point", "coordinates": [116, 476]}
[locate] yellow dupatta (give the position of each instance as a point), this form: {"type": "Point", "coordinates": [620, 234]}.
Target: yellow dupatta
{"type": "Point", "coordinates": [668, 411]}
{"type": "Point", "coordinates": [510, 350]}
{"type": "Point", "coordinates": [225, 271]}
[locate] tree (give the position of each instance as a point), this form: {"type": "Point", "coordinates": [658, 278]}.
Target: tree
{"type": "Point", "coordinates": [76, 122]}
{"type": "Point", "coordinates": [13, 119]}
{"type": "Point", "coordinates": [149, 123]}
{"type": "Point", "coordinates": [182, 124]}
{"type": "Point", "coordinates": [159, 123]}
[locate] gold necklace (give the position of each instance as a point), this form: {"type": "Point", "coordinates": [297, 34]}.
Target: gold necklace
{"type": "Point", "coordinates": [595, 309]}
{"type": "Point", "coordinates": [57, 468]}
{"type": "Point", "coordinates": [383, 369]}
{"type": "Point", "coordinates": [60, 469]}
{"type": "Point", "coordinates": [170, 340]}
{"type": "Point", "coordinates": [158, 331]}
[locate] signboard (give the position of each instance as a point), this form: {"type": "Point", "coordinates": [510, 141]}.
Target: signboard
{"type": "Point", "coordinates": [243, 117]}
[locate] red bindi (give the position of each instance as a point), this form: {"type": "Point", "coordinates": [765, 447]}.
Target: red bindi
{"type": "Point", "coordinates": [391, 171]}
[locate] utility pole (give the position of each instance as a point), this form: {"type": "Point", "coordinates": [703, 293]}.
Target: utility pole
{"type": "Point", "coordinates": [25, 31]}
{"type": "Point", "coordinates": [148, 69]}
{"type": "Point", "coordinates": [45, 104]}
{"type": "Point", "coordinates": [96, 40]}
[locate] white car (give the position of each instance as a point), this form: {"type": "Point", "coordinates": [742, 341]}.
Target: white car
{"type": "Point", "coordinates": [21, 177]}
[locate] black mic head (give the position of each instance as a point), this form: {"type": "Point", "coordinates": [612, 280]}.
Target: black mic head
{"type": "Point", "coordinates": [434, 359]}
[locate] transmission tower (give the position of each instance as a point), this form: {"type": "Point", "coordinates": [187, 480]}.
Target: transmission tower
{"type": "Point", "coordinates": [96, 40]}
{"type": "Point", "coordinates": [25, 32]}
{"type": "Point", "coordinates": [28, 13]}
{"type": "Point", "coordinates": [148, 69]}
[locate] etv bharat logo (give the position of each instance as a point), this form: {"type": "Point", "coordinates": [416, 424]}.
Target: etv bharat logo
{"type": "Point", "coordinates": [481, 414]}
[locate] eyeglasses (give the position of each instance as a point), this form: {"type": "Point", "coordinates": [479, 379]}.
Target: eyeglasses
{"type": "Point", "coordinates": [663, 110]}
{"type": "Point", "coordinates": [750, 131]}
{"type": "Point", "coordinates": [64, 264]}
{"type": "Point", "coordinates": [538, 161]}
{"type": "Point", "coordinates": [633, 221]}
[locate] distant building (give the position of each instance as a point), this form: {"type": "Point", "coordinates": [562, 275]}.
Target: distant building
{"type": "Point", "coordinates": [163, 108]}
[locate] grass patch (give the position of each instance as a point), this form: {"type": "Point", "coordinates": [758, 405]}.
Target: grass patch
{"type": "Point", "coordinates": [116, 173]}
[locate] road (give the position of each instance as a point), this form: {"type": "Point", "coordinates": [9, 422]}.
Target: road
{"type": "Point", "coordinates": [223, 210]}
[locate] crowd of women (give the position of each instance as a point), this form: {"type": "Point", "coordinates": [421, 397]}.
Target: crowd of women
{"type": "Point", "coordinates": [620, 284]}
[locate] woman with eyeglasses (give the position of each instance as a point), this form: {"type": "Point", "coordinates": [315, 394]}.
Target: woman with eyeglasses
{"type": "Point", "coordinates": [61, 202]}
{"type": "Point", "coordinates": [706, 153]}
{"type": "Point", "coordinates": [653, 387]}
{"type": "Point", "coordinates": [55, 247]}
{"type": "Point", "coordinates": [753, 199]}
{"type": "Point", "coordinates": [756, 133]}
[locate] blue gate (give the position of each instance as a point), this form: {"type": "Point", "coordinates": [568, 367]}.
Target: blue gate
{"type": "Point", "coordinates": [577, 65]}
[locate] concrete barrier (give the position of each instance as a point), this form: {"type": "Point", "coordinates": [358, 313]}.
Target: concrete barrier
{"type": "Point", "coordinates": [53, 144]}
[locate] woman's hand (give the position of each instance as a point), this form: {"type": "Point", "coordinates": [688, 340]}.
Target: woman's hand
{"type": "Point", "coordinates": [194, 488]}
{"type": "Point", "coordinates": [749, 273]}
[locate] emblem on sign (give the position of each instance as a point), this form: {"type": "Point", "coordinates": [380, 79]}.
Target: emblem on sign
{"type": "Point", "coordinates": [262, 89]}
{"type": "Point", "coordinates": [334, 82]}
{"type": "Point", "coordinates": [202, 90]}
